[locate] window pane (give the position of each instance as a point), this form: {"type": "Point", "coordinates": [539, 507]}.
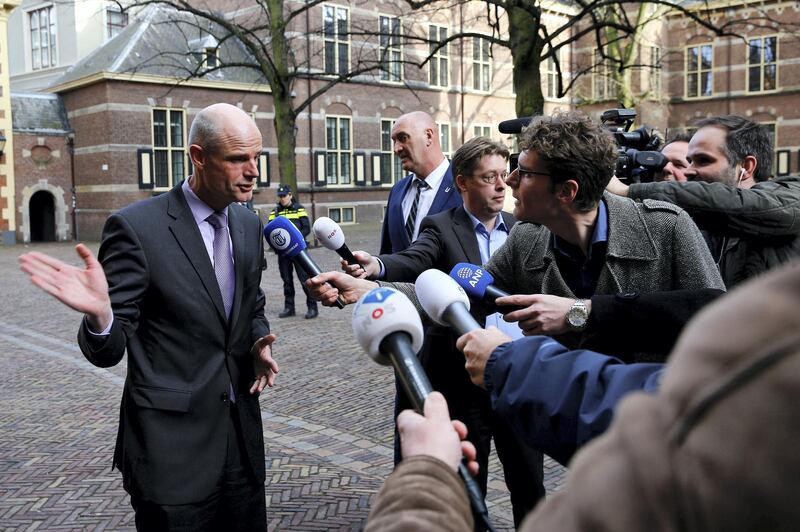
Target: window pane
{"type": "Point", "coordinates": [330, 57]}
{"type": "Point", "coordinates": [770, 76]}
{"type": "Point", "coordinates": [386, 136]}
{"type": "Point", "coordinates": [386, 168]}
{"type": "Point", "coordinates": [691, 84]}
{"type": "Point", "coordinates": [176, 128]}
{"type": "Point", "coordinates": [434, 71]}
{"type": "Point", "coordinates": [330, 133]}
{"type": "Point", "coordinates": [341, 16]}
{"type": "Point", "coordinates": [334, 214]}
{"type": "Point", "coordinates": [706, 81]}
{"type": "Point", "coordinates": [343, 59]}
{"type": "Point", "coordinates": [344, 164]}
{"type": "Point", "coordinates": [331, 172]}
{"type": "Point", "coordinates": [770, 49]}
{"type": "Point", "coordinates": [754, 78]}
{"type": "Point", "coordinates": [161, 168]}
{"type": "Point", "coordinates": [159, 128]}
{"type": "Point", "coordinates": [177, 165]}
{"type": "Point", "coordinates": [443, 71]}
{"type": "Point", "coordinates": [691, 59]}
{"type": "Point", "coordinates": [328, 22]}
{"type": "Point", "coordinates": [344, 134]}
{"type": "Point", "coordinates": [754, 55]}
{"type": "Point", "coordinates": [347, 214]}
{"type": "Point", "coordinates": [706, 59]}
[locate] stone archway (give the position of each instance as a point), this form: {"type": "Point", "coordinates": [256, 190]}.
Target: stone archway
{"type": "Point", "coordinates": [31, 207]}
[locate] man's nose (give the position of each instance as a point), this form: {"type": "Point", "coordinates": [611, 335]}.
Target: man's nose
{"type": "Point", "coordinates": [251, 169]}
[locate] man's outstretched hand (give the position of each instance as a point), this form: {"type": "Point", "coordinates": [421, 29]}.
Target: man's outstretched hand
{"type": "Point", "coordinates": [82, 289]}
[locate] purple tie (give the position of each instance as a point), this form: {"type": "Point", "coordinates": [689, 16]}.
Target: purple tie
{"type": "Point", "coordinates": [223, 262]}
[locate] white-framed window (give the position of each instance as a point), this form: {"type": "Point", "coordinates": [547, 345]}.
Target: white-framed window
{"type": "Point", "coordinates": [481, 65]}
{"type": "Point", "coordinates": [603, 85]}
{"type": "Point", "coordinates": [444, 137]}
{"type": "Point", "coordinates": [336, 29]}
{"type": "Point", "coordinates": [654, 71]}
{"type": "Point", "coordinates": [481, 131]}
{"type": "Point", "coordinates": [116, 21]}
{"type": "Point", "coordinates": [207, 57]}
{"type": "Point", "coordinates": [169, 147]}
{"type": "Point", "coordinates": [339, 155]}
{"type": "Point", "coordinates": [440, 58]}
{"type": "Point", "coordinates": [699, 72]}
{"type": "Point", "coordinates": [391, 51]}
{"type": "Point", "coordinates": [42, 37]}
{"type": "Point", "coordinates": [762, 64]}
{"type": "Point", "coordinates": [391, 167]}
{"type": "Point", "coordinates": [342, 215]}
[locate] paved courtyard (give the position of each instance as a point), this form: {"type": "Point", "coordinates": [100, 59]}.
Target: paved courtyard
{"type": "Point", "coordinates": [327, 422]}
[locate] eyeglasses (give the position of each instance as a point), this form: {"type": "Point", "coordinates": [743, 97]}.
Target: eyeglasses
{"type": "Point", "coordinates": [491, 179]}
{"type": "Point", "coordinates": [529, 173]}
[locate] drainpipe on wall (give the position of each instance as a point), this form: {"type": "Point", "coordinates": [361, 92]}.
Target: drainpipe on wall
{"type": "Point", "coordinates": [461, 52]}
{"type": "Point", "coordinates": [73, 216]}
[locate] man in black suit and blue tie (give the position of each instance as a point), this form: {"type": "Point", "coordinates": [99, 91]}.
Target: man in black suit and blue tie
{"type": "Point", "coordinates": [429, 187]}
{"type": "Point", "coordinates": [177, 287]}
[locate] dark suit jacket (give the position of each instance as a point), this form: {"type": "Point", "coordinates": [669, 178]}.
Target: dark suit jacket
{"type": "Point", "coordinates": [182, 352]}
{"type": "Point", "coordinates": [393, 232]}
{"type": "Point", "coordinates": [445, 239]}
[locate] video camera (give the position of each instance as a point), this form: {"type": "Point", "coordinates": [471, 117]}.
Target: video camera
{"type": "Point", "coordinates": [638, 158]}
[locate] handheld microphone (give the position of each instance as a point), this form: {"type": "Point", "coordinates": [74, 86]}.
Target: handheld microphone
{"type": "Point", "coordinates": [388, 328]}
{"type": "Point", "coordinates": [477, 283]}
{"type": "Point", "coordinates": [282, 236]}
{"type": "Point", "coordinates": [515, 125]}
{"type": "Point", "coordinates": [331, 236]}
{"type": "Point", "coordinates": [444, 301]}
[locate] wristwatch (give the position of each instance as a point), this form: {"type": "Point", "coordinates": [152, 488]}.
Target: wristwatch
{"type": "Point", "coordinates": [578, 315]}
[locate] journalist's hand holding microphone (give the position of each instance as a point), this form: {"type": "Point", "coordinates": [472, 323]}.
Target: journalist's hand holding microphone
{"type": "Point", "coordinates": [349, 288]}
{"type": "Point", "coordinates": [436, 435]}
{"type": "Point", "coordinates": [367, 266]}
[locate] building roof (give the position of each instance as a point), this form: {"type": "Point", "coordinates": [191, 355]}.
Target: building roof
{"type": "Point", "coordinates": [159, 42]}
{"type": "Point", "coordinates": [41, 114]}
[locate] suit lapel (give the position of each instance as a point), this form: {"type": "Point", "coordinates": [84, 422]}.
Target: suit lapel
{"type": "Point", "coordinates": [446, 189]}
{"type": "Point", "coordinates": [465, 233]}
{"type": "Point", "coordinates": [397, 214]}
{"type": "Point", "coordinates": [188, 237]}
{"type": "Point", "coordinates": [236, 229]}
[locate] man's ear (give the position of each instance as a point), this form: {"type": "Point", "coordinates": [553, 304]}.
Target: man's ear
{"type": "Point", "coordinates": [750, 164]}
{"type": "Point", "coordinates": [567, 191]}
{"type": "Point", "coordinates": [197, 156]}
{"type": "Point", "coordinates": [461, 183]}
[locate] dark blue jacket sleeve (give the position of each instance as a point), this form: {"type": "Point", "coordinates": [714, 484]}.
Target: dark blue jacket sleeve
{"type": "Point", "coordinates": [556, 399]}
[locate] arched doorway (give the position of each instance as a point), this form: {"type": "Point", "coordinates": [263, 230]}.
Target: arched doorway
{"type": "Point", "coordinates": [43, 217]}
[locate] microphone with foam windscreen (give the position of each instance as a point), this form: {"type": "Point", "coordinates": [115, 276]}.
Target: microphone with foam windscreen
{"type": "Point", "coordinates": [445, 301]}
{"type": "Point", "coordinates": [388, 328]}
{"type": "Point", "coordinates": [331, 236]}
{"type": "Point", "coordinates": [287, 241]}
{"type": "Point", "coordinates": [515, 125]}
{"type": "Point", "coordinates": [477, 283]}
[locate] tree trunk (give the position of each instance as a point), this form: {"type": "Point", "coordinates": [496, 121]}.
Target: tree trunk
{"type": "Point", "coordinates": [526, 51]}
{"type": "Point", "coordinates": [280, 81]}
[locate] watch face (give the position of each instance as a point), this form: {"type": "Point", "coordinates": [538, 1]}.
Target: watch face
{"type": "Point", "coordinates": [577, 316]}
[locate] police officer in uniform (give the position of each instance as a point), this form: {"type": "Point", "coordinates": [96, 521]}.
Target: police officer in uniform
{"type": "Point", "coordinates": [297, 214]}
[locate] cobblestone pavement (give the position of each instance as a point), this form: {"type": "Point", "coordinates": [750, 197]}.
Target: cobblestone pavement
{"type": "Point", "coordinates": [327, 422]}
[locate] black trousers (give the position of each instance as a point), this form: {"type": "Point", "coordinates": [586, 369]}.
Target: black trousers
{"type": "Point", "coordinates": [238, 505]}
{"type": "Point", "coordinates": [285, 266]}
